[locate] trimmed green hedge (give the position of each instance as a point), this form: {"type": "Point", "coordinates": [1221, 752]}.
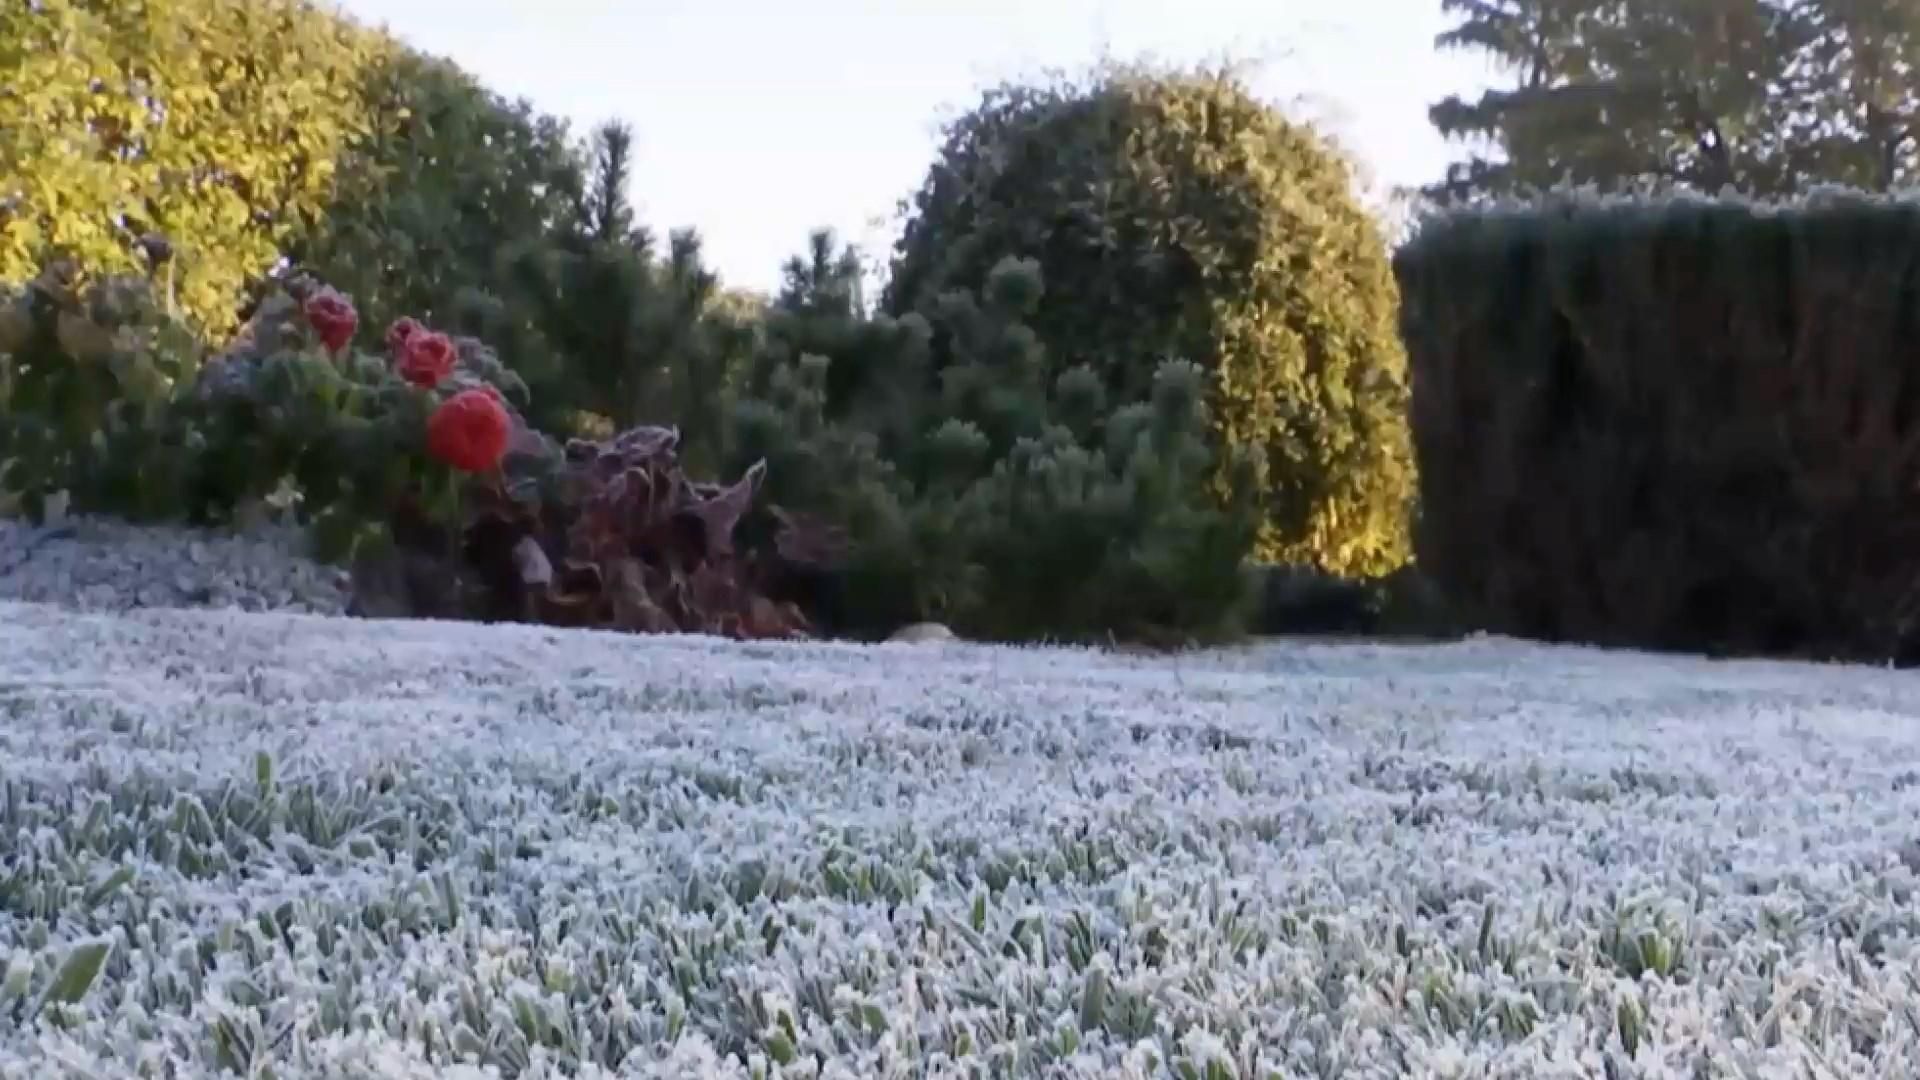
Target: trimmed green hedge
{"type": "Point", "coordinates": [1681, 424]}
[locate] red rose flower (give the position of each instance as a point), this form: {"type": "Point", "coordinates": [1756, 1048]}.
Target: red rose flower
{"type": "Point", "coordinates": [469, 431]}
{"type": "Point", "coordinates": [401, 330]}
{"type": "Point", "coordinates": [426, 358]}
{"type": "Point", "coordinates": [332, 317]}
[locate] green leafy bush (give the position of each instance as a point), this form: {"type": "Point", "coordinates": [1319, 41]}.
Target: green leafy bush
{"type": "Point", "coordinates": [1177, 216]}
{"type": "Point", "coordinates": [348, 433]}
{"type": "Point", "coordinates": [960, 482]}
{"type": "Point", "coordinates": [88, 376]}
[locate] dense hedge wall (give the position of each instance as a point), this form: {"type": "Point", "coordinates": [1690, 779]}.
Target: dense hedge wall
{"type": "Point", "coordinates": [1673, 423]}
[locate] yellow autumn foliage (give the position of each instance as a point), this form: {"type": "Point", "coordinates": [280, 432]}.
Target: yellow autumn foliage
{"type": "Point", "coordinates": [219, 124]}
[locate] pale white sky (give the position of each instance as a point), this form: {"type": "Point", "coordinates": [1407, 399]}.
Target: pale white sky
{"type": "Point", "coordinates": [759, 120]}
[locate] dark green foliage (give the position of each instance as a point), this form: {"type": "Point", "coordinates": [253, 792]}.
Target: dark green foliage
{"type": "Point", "coordinates": [452, 184]}
{"type": "Point", "coordinates": [487, 218]}
{"type": "Point", "coordinates": [1766, 96]}
{"type": "Point", "coordinates": [968, 485]}
{"type": "Point", "coordinates": [1175, 216]}
{"type": "Point", "coordinates": [1683, 424]}
{"type": "Point", "coordinates": [1412, 605]}
{"type": "Point", "coordinates": [1292, 600]}
{"type": "Point", "coordinates": [1116, 534]}
{"type": "Point", "coordinates": [1302, 600]}
{"type": "Point", "coordinates": [641, 339]}
{"type": "Point", "coordinates": [87, 376]}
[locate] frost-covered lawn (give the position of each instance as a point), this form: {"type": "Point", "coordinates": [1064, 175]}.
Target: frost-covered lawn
{"type": "Point", "coordinates": [303, 847]}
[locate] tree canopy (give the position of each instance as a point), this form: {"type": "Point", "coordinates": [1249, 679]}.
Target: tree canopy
{"type": "Point", "coordinates": [220, 124]}
{"type": "Point", "coordinates": [1764, 97]}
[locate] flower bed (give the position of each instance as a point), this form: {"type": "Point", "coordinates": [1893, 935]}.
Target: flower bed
{"type": "Point", "coordinates": [414, 464]}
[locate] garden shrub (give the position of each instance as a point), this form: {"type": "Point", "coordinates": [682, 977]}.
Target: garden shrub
{"type": "Point", "coordinates": [638, 545]}
{"type": "Point", "coordinates": [1176, 216]}
{"type": "Point", "coordinates": [356, 436]}
{"type": "Point", "coordinates": [964, 483]}
{"type": "Point", "coordinates": [89, 371]}
{"type": "Point", "coordinates": [1684, 423]}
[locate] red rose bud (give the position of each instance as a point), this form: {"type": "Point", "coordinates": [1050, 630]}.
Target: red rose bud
{"type": "Point", "coordinates": [332, 317]}
{"type": "Point", "coordinates": [400, 332]}
{"type": "Point", "coordinates": [426, 358]}
{"type": "Point", "coordinates": [469, 431]}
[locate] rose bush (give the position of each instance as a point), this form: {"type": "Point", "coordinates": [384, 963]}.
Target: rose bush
{"type": "Point", "coordinates": [423, 451]}
{"type": "Point", "coordinates": [640, 546]}
{"type": "Point", "coordinates": [361, 438]}
{"type": "Point", "coordinates": [105, 395]}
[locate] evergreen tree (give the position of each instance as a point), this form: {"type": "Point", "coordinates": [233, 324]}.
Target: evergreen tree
{"type": "Point", "coordinates": [822, 282]}
{"type": "Point", "coordinates": [608, 214]}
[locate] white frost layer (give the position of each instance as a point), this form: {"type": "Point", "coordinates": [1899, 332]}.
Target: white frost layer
{"type": "Point", "coordinates": [369, 849]}
{"type": "Point", "coordinates": [100, 564]}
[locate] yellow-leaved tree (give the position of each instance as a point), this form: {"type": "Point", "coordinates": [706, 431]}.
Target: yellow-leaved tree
{"type": "Point", "coordinates": [1174, 214]}
{"type": "Point", "coordinates": [218, 124]}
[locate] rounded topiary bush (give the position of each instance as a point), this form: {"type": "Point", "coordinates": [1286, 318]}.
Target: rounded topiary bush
{"type": "Point", "coordinates": [1175, 215]}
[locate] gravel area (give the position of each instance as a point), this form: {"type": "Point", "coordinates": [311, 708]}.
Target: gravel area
{"type": "Point", "coordinates": [98, 564]}
{"type": "Point", "coordinates": [312, 847]}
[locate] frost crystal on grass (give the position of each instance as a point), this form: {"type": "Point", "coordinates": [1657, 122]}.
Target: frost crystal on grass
{"type": "Point", "coordinates": [327, 848]}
